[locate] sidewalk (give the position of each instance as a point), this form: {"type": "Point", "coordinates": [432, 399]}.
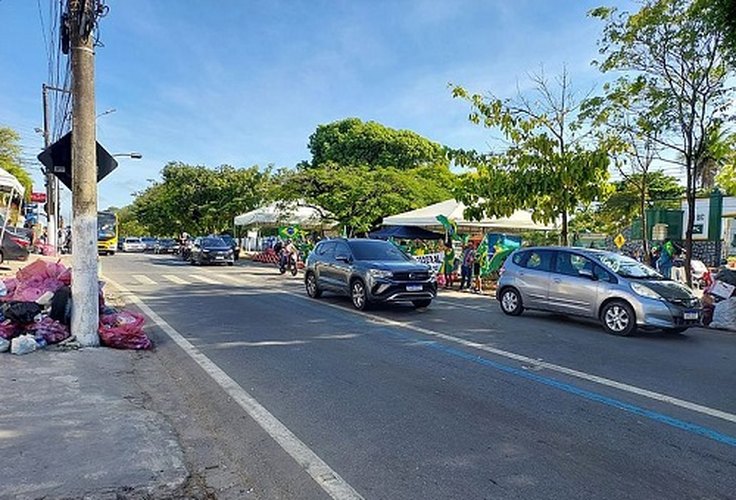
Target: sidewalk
{"type": "Point", "coordinates": [74, 424]}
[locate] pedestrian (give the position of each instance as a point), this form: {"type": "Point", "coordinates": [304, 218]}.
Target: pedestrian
{"type": "Point", "coordinates": [477, 264]}
{"type": "Point", "coordinates": [448, 264]}
{"type": "Point", "coordinates": [466, 268]}
{"type": "Point", "coordinates": [664, 263]}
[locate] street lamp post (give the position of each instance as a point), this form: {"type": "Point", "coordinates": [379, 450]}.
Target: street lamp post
{"type": "Point", "coordinates": [133, 156]}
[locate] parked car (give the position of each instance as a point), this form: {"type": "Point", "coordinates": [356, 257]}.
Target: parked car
{"type": "Point", "coordinates": [150, 243]}
{"type": "Point", "coordinates": [133, 245]}
{"type": "Point", "coordinates": [211, 250]}
{"type": "Point", "coordinates": [165, 245]}
{"type": "Point", "coordinates": [368, 271]}
{"type": "Point", "coordinates": [14, 247]}
{"type": "Point", "coordinates": [233, 244]}
{"type": "Point", "coordinates": [620, 292]}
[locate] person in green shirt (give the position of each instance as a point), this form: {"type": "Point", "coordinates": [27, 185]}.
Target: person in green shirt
{"type": "Point", "coordinates": [448, 264]}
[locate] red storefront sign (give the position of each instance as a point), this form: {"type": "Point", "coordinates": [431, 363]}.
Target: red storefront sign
{"type": "Point", "coordinates": [38, 197]}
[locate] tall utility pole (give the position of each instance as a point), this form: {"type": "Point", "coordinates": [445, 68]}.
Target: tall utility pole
{"type": "Point", "coordinates": [52, 183]}
{"type": "Point", "coordinates": [85, 287]}
{"type": "Point", "coordinates": [51, 229]}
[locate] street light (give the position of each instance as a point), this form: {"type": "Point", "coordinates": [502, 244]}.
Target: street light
{"type": "Point", "coordinates": [132, 156]}
{"type": "Point", "coordinates": [107, 112]}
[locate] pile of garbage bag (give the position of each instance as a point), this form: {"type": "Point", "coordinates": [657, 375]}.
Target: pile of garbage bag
{"type": "Point", "coordinates": [719, 301]}
{"type": "Point", "coordinates": [35, 311]}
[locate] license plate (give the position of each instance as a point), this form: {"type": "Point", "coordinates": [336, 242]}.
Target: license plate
{"type": "Point", "coordinates": [219, 257]}
{"type": "Point", "coordinates": [690, 315]}
{"type": "Point", "coordinates": [413, 288]}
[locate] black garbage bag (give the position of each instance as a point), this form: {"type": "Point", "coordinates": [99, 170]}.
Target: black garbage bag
{"type": "Point", "coordinates": [19, 312]}
{"type": "Point", "coordinates": [61, 306]}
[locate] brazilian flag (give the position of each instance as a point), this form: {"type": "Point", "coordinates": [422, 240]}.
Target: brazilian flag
{"type": "Point", "coordinates": [290, 232]}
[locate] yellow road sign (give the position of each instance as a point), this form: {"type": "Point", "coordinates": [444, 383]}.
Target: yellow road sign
{"type": "Point", "coordinates": [619, 240]}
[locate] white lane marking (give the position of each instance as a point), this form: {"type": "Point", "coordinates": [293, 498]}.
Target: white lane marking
{"type": "Point", "coordinates": [329, 480]}
{"type": "Point", "coordinates": [175, 279]}
{"type": "Point", "coordinates": [143, 280]}
{"type": "Point", "coordinates": [204, 279]}
{"type": "Point", "coordinates": [535, 363]}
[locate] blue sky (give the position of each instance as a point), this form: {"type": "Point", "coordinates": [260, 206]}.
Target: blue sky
{"type": "Point", "coordinates": [245, 82]}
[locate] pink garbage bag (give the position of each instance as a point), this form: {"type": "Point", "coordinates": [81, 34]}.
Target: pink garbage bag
{"type": "Point", "coordinates": [52, 331]}
{"type": "Point", "coordinates": [123, 330]}
{"type": "Point", "coordinates": [9, 330]}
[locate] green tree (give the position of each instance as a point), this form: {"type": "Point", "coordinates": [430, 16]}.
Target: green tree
{"type": "Point", "coordinates": [722, 16]}
{"type": "Point", "coordinates": [672, 60]}
{"type": "Point", "coordinates": [548, 167]}
{"type": "Point", "coordinates": [362, 172]}
{"type": "Point", "coordinates": [199, 200]}
{"type": "Point", "coordinates": [10, 153]}
{"type": "Point", "coordinates": [128, 224]}
{"type": "Point", "coordinates": [353, 143]}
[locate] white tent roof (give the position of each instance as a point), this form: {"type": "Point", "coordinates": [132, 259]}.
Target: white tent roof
{"type": "Point", "coordinates": [521, 220]}
{"type": "Point", "coordinates": [282, 213]}
{"type": "Point", "coordinates": [8, 182]}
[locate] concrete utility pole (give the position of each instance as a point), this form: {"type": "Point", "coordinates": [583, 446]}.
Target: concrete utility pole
{"type": "Point", "coordinates": [52, 183]}
{"type": "Point", "coordinates": [85, 287]}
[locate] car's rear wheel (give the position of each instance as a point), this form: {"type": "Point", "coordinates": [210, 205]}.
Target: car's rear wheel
{"type": "Point", "coordinates": [359, 295]}
{"type": "Point", "coordinates": [421, 303]}
{"type": "Point", "coordinates": [511, 302]}
{"type": "Point", "coordinates": [312, 287]}
{"type": "Point", "coordinates": [617, 318]}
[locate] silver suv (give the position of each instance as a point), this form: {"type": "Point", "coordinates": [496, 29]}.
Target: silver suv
{"type": "Point", "coordinates": [619, 291]}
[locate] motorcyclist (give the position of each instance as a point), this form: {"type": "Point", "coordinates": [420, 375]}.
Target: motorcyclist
{"type": "Point", "coordinates": [290, 251]}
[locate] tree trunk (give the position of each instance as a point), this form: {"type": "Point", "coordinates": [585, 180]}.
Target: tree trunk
{"type": "Point", "coordinates": [690, 223]}
{"type": "Point", "coordinates": [644, 231]}
{"type": "Point", "coordinates": [563, 234]}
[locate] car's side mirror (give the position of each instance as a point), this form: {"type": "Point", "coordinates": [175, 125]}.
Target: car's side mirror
{"type": "Point", "coordinates": [342, 258]}
{"type": "Point", "coordinates": [587, 273]}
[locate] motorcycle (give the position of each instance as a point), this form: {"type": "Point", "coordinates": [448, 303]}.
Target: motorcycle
{"type": "Point", "coordinates": [288, 264]}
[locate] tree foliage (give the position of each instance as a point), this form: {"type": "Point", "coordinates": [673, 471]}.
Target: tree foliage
{"type": "Point", "coordinates": [354, 143]}
{"type": "Point", "coordinates": [10, 152]}
{"type": "Point", "coordinates": [362, 172]}
{"type": "Point", "coordinates": [673, 61]}
{"type": "Point", "coordinates": [722, 16]}
{"type": "Point", "coordinates": [197, 199]}
{"type": "Point", "coordinates": [548, 168]}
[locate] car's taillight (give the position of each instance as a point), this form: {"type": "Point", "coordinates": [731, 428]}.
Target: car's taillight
{"type": "Point", "coordinates": [501, 270]}
{"type": "Point", "coordinates": [19, 241]}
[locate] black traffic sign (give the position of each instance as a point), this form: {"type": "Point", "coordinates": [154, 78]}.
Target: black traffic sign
{"type": "Point", "coordinates": [57, 158]}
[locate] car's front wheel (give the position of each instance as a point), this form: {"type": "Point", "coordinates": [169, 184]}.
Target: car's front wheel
{"type": "Point", "coordinates": [511, 302]}
{"type": "Point", "coordinates": [312, 287]}
{"type": "Point", "coordinates": [617, 318]}
{"type": "Point", "coordinates": [421, 303]}
{"type": "Point", "coordinates": [359, 295]}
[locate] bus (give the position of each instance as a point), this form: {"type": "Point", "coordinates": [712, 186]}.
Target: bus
{"type": "Point", "coordinates": [107, 233]}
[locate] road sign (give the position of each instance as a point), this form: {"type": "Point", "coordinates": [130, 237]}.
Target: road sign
{"type": "Point", "coordinates": [57, 158]}
{"type": "Point", "coordinates": [619, 240]}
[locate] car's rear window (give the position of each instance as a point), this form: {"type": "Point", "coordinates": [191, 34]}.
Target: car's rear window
{"type": "Point", "coordinates": [133, 240]}
{"type": "Point", "coordinates": [376, 250]}
{"type": "Point", "coordinates": [213, 242]}
{"type": "Point", "coordinates": [539, 260]}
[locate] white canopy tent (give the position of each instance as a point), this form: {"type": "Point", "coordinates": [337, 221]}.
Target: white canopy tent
{"type": "Point", "coordinates": [9, 184]}
{"type": "Point", "coordinates": [426, 217]}
{"type": "Point", "coordinates": [283, 213]}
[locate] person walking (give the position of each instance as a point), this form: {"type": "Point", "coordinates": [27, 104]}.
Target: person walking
{"type": "Point", "coordinates": [466, 268]}
{"type": "Point", "coordinates": [448, 265]}
{"type": "Point", "coordinates": [664, 263]}
{"type": "Point", "coordinates": [477, 264]}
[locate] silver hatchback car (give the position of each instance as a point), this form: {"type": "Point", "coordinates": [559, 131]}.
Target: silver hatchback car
{"type": "Point", "coordinates": [619, 291]}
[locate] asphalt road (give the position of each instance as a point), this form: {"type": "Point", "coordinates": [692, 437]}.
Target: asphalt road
{"type": "Point", "coordinates": [458, 400]}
